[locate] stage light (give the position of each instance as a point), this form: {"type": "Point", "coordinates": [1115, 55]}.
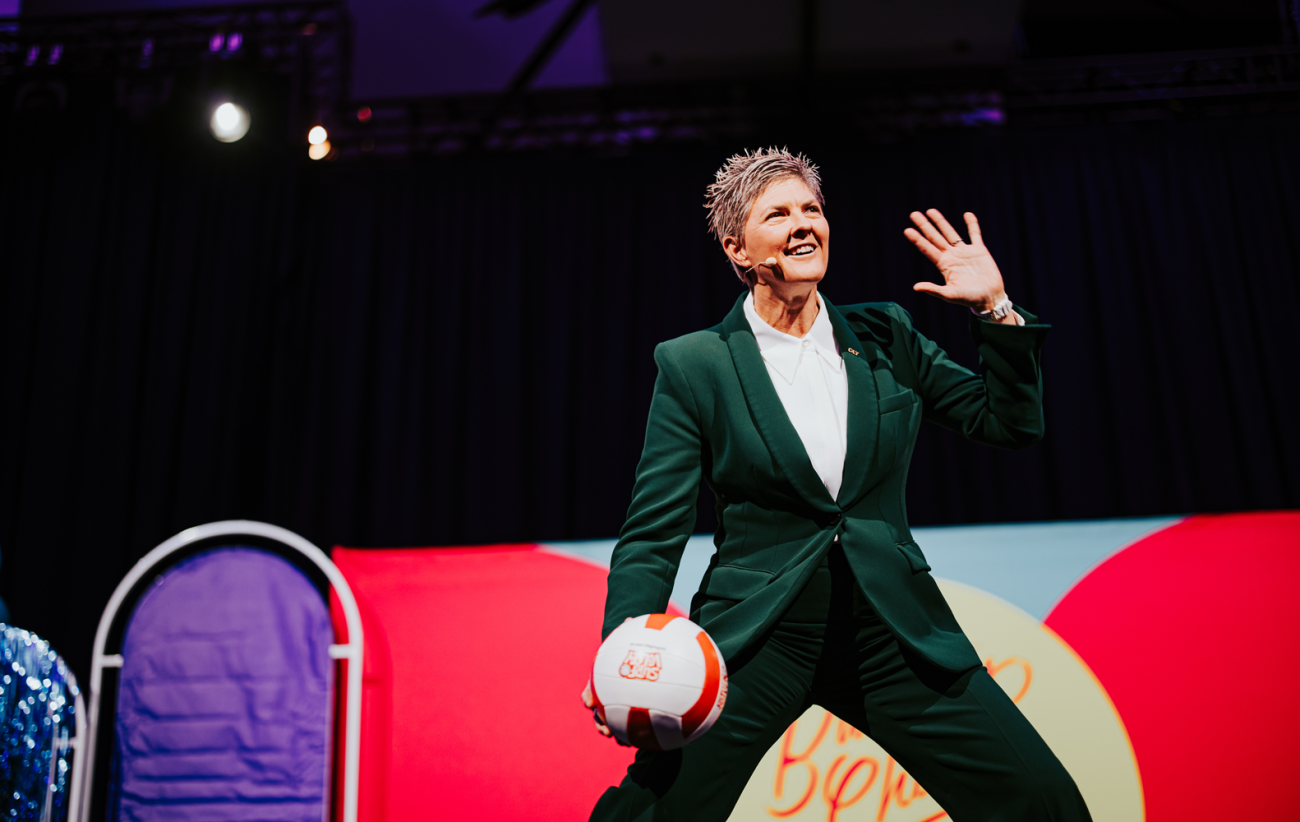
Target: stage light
{"type": "Point", "coordinates": [319, 151]}
{"type": "Point", "coordinates": [33, 54]}
{"type": "Point", "coordinates": [229, 122]}
{"type": "Point", "coordinates": [363, 114]}
{"type": "Point", "coordinates": [234, 41]}
{"type": "Point", "coordinates": [55, 53]}
{"type": "Point", "coordinates": [317, 135]}
{"type": "Point", "coordinates": [217, 41]}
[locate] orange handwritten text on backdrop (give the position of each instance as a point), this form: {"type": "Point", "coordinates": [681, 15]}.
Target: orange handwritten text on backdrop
{"type": "Point", "coordinates": [893, 790]}
{"type": "Point", "coordinates": [837, 787]}
{"type": "Point", "coordinates": [789, 760]}
{"type": "Point", "coordinates": [835, 799]}
{"type": "Point", "coordinates": [995, 668]}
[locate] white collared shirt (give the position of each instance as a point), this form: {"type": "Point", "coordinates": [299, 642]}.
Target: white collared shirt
{"type": "Point", "coordinates": [809, 377]}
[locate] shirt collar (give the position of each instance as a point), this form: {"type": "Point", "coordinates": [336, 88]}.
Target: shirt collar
{"type": "Point", "coordinates": [783, 351]}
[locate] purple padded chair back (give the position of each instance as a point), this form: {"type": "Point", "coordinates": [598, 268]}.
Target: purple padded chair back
{"type": "Point", "coordinates": [223, 711]}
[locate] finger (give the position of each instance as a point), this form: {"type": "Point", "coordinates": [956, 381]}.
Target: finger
{"type": "Point", "coordinates": [949, 233]}
{"type": "Point", "coordinates": [586, 695]}
{"type": "Point", "coordinates": [931, 233]}
{"type": "Point", "coordinates": [925, 246]}
{"type": "Point", "coordinates": [931, 289]}
{"type": "Point", "coordinates": [603, 729]}
{"type": "Point", "coordinates": [973, 226]}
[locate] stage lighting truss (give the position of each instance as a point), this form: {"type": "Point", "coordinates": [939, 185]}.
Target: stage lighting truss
{"type": "Point", "coordinates": [619, 119]}
{"type": "Point", "coordinates": [616, 120]}
{"type": "Point", "coordinates": [309, 41]}
{"type": "Point", "coordinates": [1160, 85]}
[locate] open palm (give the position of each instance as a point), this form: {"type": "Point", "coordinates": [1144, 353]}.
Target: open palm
{"type": "Point", "coordinates": [971, 277]}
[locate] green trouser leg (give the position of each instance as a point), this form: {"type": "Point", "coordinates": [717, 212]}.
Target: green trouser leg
{"type": "Point", "coordinates": [958, 735]}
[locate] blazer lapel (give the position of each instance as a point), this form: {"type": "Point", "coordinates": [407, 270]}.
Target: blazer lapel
{"type": "Point", "coordinates": [864, 408]}
{"type": "Point", "coordinates": [768, 412]}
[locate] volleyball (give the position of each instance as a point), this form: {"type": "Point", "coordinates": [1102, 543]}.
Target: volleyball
{"type": "Point", "coordinates": [659, 682]}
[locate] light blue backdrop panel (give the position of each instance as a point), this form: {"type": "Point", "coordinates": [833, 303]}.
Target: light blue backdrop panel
{"type": "Point", "coordinates": [1031, 565]}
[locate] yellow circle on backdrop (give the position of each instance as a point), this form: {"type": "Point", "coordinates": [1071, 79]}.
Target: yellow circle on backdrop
{"type": "Point", "coordinates": [824, 769]}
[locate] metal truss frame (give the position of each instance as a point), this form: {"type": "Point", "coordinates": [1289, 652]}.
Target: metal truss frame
{"type": "Point", "coordinates": [308, 41]}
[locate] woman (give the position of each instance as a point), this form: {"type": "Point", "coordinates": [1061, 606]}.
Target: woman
{"type": "Point", "coordinates": [802, 418]}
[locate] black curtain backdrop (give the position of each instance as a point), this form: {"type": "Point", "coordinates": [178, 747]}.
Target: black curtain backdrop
{"type": "Point", "coordinates": [454, 351]}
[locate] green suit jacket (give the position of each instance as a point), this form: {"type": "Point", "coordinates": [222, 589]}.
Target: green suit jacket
{"type": "Point", "coordinates": [715, 415]}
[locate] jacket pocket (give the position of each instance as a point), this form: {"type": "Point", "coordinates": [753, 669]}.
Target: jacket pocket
{"type": "Point", "coordinates": [915, 558]}
{"type": "Point", "coordinates": [898, 420]}
{"type": "Point", "coordinates": [735, 582]}
{"type": "Point", "coordinates": [893, 402]}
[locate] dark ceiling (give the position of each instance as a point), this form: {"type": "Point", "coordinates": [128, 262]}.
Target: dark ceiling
{"type": "Point", "coordinates": [405, 48]}
{"type": "Point", "coordinates": [1057, 29]}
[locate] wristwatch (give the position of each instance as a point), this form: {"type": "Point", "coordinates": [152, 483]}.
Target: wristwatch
{"type": "Point", "coordinates": [999, 311]}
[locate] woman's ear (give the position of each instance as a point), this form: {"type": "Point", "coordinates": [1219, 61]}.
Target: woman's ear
{"type": "Point", "coordinates": [735, 253]}
{"type": "Point", "coordinates": [739, 261]}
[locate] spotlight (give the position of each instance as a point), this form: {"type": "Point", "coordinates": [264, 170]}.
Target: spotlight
{"type": "Point", "coordinates": [317, 135]}
{"type": "Point", "coordinates": [229, 122]}
{"type": "Point", "coordinates": [234, 41]}
{"type": "Point", "coordinates": [363, 114]}
{"type": "Point", "coordinates": [55, 53]}
{"type": "Point", "coordinates": [217, 41]}
{"type": "Point", "coordinates": [319, 151]}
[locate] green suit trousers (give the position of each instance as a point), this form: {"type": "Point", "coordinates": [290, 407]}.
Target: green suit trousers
{"type": "Point", "coordinates": [957, 733]}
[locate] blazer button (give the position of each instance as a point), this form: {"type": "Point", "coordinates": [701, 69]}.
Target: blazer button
{"type": "Point", "coordinates": [834, 519]}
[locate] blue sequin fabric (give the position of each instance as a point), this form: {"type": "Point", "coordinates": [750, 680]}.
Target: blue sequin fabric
{"type": "Point", "coordinates": [37, 723]}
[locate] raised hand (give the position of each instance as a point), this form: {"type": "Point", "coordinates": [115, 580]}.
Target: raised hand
{"type": "Point", "coordinates": [970, 276]}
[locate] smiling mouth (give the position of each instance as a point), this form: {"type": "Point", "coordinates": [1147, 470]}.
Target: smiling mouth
{"type": "Point", "coordinates": [801, 250]}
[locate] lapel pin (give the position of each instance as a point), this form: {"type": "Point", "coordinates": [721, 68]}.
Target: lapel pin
{"type": "Point", "coordinates": [854, 353]}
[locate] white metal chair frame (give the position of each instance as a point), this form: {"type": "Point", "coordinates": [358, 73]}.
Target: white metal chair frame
{"type": "Point", "coordinates": [74, 786]}
{"type": "Point", "coordinates": [84, 764]}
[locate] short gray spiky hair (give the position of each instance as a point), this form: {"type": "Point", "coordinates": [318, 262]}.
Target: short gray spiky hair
{"type": "Point", "coordinates": [743, 178]}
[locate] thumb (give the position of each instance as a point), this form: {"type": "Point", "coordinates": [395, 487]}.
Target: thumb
{"type": "Point", "coordinates": [930, 288]}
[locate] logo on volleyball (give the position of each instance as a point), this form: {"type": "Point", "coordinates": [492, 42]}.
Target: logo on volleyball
{"type": "Point", "coordinates": [640, 666]}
